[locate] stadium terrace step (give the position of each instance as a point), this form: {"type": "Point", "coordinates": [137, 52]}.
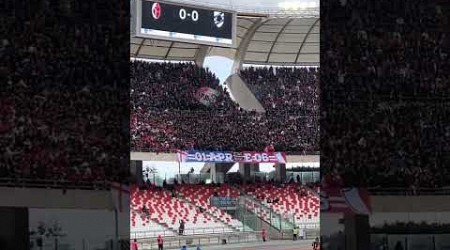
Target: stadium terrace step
{"type": "Point", "coordinates": [165, 209]}
{"type": "Point", "coordinates": [200, 196]}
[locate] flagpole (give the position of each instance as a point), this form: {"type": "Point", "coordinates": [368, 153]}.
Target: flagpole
{"type": "Point", "coordinates": [179, 171]}
{"type": "Point", "coordinates": [179, 164]}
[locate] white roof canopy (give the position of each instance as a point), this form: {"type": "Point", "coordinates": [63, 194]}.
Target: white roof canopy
{"type": "Point", "coordinates": [272, 41]}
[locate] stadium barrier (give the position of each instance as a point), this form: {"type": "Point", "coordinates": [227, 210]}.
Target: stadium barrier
{"type": "Point", "coordinates": [410, 191]}
{"type": "Point", "coordinates": [177, 242]}
{"type": "Point", "coordinates": [56, 184]}
{"type": "Point", "coordinates": [73, 198]}
{"type": "Point", "coordinates": [411, 241]}
{"type": "Point", "coordinates": [169, 233]}
{"type": "Point", "coordinates": [55, 242]}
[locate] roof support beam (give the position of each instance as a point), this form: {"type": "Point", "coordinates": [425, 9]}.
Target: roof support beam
{"type": "Point", "coordinates": [139, 48]}
{"type": "Point", "coordinates": [168, 50]}
{"type": "Point", "coordinates": [278, 36]}
{"type": "Point", "coordinates": [243, 46]}
{"type": "Point", "coordinates": [201, 54]}
{"type": "Point", "coordinates": [304, 40]}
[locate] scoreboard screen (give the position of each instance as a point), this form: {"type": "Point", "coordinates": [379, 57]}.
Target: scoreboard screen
{"type": "Point", "coordinates": [185, 23]}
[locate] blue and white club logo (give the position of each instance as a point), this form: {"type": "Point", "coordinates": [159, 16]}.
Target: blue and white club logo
{"type": "Point", "coordinates": [219, 18]}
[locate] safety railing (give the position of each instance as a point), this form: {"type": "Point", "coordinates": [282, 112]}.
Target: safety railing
{"type": "Point", "coordinates": [45, 242]}
{"type": "Point", "coordinates": [313, 224]}
{"type": "Point", "coordinates": [410, 241]}
{"type": "Point", "coordinates": [57, 184]}
{"type": "Point", "coordinates": [143, 234]}
{"type": "Point", "coordinates": [265, 213]}
{"type": "Point", "coordinates": [203, 240]}
{"type": "Point", "coordinates": [410, 191]}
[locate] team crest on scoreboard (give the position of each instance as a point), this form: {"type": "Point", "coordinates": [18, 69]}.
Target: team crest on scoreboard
{"type": "Point", "coordinates": [156, 11]}
{"type": "Point", "coordinates": [219, 18]}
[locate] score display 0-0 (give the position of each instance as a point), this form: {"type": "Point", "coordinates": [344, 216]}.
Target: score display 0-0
{"type": "Point", "coordinates": [185, 23]}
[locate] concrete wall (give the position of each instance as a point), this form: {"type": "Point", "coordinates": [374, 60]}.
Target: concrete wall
{"type": "Point", "coordinates": [54, 198]}
{"type": "Point", "coordinates": [381, 218]}
{"type": "Point", "coordinates": [390, 209]}
{"type": "Point", "coordinates": [84, 229]}
{"type": "Point", "coordinates": [86, 216]}
{"type": "Point", "coordinates": [427, 203]}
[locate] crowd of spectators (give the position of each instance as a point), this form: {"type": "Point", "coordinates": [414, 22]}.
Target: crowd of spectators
{"type": "Point", "coordinates": [59, 115]}
{"type": "Point", "coordinates": [385, 84]}
{"type": "Point", "coordinates": [168, 114]}
{"type": "Point", "coordinates": [161, 86]}
{"type": "Point", "coordinates": [290, 90]}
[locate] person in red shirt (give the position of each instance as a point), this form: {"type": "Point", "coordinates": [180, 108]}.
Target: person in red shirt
{"type": "Point", "coordinates": [160, 242]}
{"type": "Point", "coordinates": [263, 234]}
{"type": "Point", "coordinates": [269, 148]}
{"type": "Point", "coordinates": [134, 245]}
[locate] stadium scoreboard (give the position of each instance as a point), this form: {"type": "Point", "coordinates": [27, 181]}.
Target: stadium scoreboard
{"type": "Point", "coordinates": [185, 23]}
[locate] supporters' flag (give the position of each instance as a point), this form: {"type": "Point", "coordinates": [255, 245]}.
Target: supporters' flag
{"type": "Point", "coordinates": [350, 200]}
{"type": "Point", "coordinates": [228, 157]}
{"type": "Point", "coordinates": [281, 157]}
{"type": "Point", "coordinates": [182, 156]}
{"type": "Point", "coordinates": [357, 199]}
{"type": "Point", "coordinates": [206, 95]}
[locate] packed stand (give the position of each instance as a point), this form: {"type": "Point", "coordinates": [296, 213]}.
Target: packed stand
{"type": "Point", "coordinates": [287, 90]}
{"type": "Point", "coordinates": [169, 86]}
{"type": "Point", "coordinates": [181, 107]}
{"type": "Point", "coordinates": [59, 117]}
{"type": "Point", "coordinates": [385, 86]}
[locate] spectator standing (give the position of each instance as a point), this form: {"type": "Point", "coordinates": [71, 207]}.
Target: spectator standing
{"type": "Point", "coordinates": [295, 233]}
{"type": "Point", "coordinates": [160, 242]}
{"type": "Point", "coordinates": [181, 228]}
{"type": "Point", "coordinates": [264, 235]}
{"type": "Point", "coordinates": [134, 245]}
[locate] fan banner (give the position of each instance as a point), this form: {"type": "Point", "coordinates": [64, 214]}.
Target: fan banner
{"type": "Point", "coordinates": [345, 200]}
{"type": "Point", "coordinates": [206, 96]}
{"type": "Point", "coordinates": [231, 157]}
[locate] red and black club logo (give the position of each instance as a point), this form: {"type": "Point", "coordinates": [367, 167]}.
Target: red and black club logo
{"type": "Point", "coordinates": [156, 11]}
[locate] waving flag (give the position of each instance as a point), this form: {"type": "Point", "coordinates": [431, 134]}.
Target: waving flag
{"type": "Point", "coordinates": [206, 96]}
{"type": "Point", "coordinates": [345, 200]}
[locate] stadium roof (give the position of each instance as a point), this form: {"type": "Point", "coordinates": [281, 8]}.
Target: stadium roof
{"type": "Point", "coordinates": [284, 40]}
{"type": "Point", "coordinates": [271, 41]}
{"type": "Point", "coordinates": [297, 8]}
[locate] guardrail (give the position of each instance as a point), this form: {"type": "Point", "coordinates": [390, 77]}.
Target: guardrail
{"type": "Point", "coordinates": [142, 234]}
{"type": "Point", "coordinates": [205, 239]}
{"type": "Point", "coordinates": [409, 191]}
{"type": "Point", "coordinates": [57, 184]}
